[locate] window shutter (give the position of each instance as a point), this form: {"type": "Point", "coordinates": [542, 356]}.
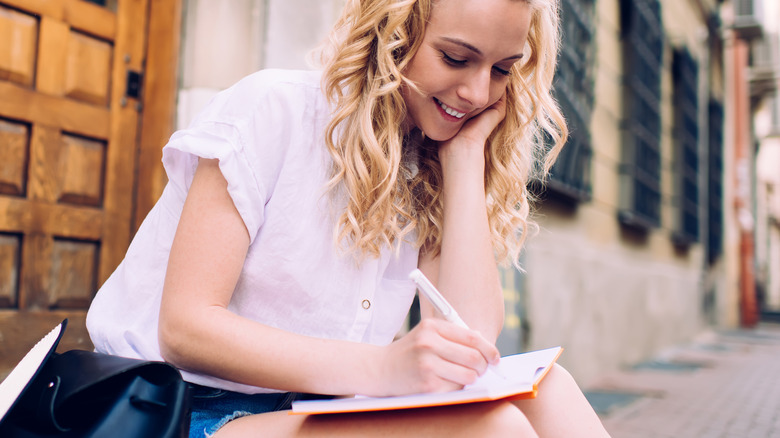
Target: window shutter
{"type": "Point", "coordinates": [574, 83]}
{"type": "Point", "coordinates": [641, 162]}
{"type": "Point", "coordinates": [685, 72]}
{"type": "Point", "coordinates": [715, 182]}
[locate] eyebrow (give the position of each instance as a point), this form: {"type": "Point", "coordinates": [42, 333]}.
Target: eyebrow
{"type": "Point", "coordinates": [470, 47]}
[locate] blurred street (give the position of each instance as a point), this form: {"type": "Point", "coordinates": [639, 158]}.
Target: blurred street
{"type": "Point", "coordinates": [725, 384]}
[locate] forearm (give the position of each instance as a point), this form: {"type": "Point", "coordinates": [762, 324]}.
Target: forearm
{"type": "Point", "coordinates": [196, 330]}
{"type": "Point", "coordinates": [227, 346]}
{"type": "Point", "coordinates": [467, 274]}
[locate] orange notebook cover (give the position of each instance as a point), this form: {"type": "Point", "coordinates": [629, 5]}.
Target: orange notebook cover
{"type": "Point", "coordinates": [522, 374]}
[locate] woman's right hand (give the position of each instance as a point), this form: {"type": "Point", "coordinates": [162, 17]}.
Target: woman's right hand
{"type": "Point", "coordinates": [435, 356]}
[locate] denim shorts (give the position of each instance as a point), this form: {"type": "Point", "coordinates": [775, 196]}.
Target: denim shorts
{"type": "Point", "coordinates": [213, 408]}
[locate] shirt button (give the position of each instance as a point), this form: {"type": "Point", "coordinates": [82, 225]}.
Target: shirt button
{"type": "Point", "coordinates": [366, 304]}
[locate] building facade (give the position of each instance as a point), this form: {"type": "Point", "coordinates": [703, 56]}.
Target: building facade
{"type": "Point", "coordinates": [660, 219]}
{"type": "Point", "coordinates": [620, 269]}
{"type": "Point", "coordinates": [764, 76]}
{"type": "Point", "coordinates": [640, 246]}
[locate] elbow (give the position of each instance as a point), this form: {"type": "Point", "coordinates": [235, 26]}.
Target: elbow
{"type": "Point", "coordinates": [168, 347]}
{"type": "Point", "coordinates": [186, 337]}
{"type": "Point", "coordinates": [171, 339]}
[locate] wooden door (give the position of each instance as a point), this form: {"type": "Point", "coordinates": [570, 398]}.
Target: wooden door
{"type": "Point", "coordinates": [68, 143]}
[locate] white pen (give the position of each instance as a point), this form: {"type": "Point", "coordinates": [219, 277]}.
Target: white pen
{"type": "Point", "coordinates": [437, 299]}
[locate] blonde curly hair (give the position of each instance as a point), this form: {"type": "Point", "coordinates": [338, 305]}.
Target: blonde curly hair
{"type": "Point", "coordinates": [364, 60]}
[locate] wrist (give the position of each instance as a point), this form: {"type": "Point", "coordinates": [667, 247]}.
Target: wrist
{"type": "Point", "coordinates": [462, 148]}
{"type": "Point", "coordinates": [370, 369]}
{"type": "Point", "coordinates": [463, 164]}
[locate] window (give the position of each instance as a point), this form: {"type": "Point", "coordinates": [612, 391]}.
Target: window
{"type": "Point", "coordinates": [686, 142]}
{"type": "Point", "coordinates": [570, 176]}
{"type": "Point", "coordinates": [715, 181]}
{"type": "Point", "coordinates": [764, 66]}
{"type": "Point", "coordinates": [774, 103]}
{"type": "Point", "coordinates": [748, 17]}
{"type": "Point", "coordinates": [640, 169]}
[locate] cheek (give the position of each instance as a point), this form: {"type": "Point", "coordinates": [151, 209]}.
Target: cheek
{"type": "Point", "coordinates": [497, 91]}
{"type": "Point", "coordinates": [421, 68]}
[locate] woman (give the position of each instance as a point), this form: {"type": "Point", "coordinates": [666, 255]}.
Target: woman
{"type": "Point", "coordinates": [275, 263]}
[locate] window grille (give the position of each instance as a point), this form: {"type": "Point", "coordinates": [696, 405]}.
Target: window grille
{"type": "Point", "coordinates": [570, 176]}
{"type": "Point", "coordinates": [715, 181]}
{"type": "Point", "coordinates": [640, 170]}
{"type": "Point", "coordinates": [686, 140]}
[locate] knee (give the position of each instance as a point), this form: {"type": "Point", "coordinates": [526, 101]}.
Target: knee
{"type": "Point", "coordinates": [559, 378]}
{"type": "Point", "coordinates": [505, 420]}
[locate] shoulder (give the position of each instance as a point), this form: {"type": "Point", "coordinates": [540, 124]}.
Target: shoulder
{"type": "Point", "coordinates": [279, 82]}
{"type": "Point", "coordinates": [275, 93]}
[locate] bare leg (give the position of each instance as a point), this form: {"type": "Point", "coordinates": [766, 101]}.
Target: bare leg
{"type": "Point", "coordinates": [560, 409]}
{"type": "Point", "coordinates": [495, 419]}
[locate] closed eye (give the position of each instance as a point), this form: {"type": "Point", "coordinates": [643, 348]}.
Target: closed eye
{"type": "Point", "coordinates": [452, 61]}
{"type": "Point", "coordinates": [501, 71]}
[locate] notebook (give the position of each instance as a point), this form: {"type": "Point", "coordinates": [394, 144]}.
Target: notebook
{"type": "Point", "coordinates": [25, 371]}
{"type": "Point", "coordinates": [522, 374]}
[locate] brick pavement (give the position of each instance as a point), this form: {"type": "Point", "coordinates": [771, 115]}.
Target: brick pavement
{"type": "Point", "coordinates": [723, 385]}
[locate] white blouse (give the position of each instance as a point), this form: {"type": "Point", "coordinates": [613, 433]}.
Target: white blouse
{"type": "Point", "coordinates": [267, 132]}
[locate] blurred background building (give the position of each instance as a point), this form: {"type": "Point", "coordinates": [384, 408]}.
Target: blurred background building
{"type": "Point", "coordinates": [660, 219]}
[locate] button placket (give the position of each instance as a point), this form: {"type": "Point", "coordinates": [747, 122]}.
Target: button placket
{"type": "Point", "coordinates": [364, 302]}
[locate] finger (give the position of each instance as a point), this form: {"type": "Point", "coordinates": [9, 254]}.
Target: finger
{"type": "Point", "coordinates": [465, 362]}
{"type": "Point", "coordinates": [483, 124]}
{"type": "Point", "coordinates": [463, 345]}
{"type": "Point", "coordinates": [435, 360]}
{"type": "Point", "coordinates": [452, 375]}
{"type": "Point", "coordinates": [445, 340]}
{"type": "Point", "coordinates": [499, 106]}
{"type": "Point", "coordinates": [472, 339]}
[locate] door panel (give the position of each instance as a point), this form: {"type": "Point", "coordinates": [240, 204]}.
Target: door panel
{"type": "Point", "coordinates": [68, 144]}
{"type": "Point", "coordinates": [17, 58]}
{"type": "Point", "coordinates": [14, 137]}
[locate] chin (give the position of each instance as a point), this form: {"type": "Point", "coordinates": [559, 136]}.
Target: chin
{"type": "Point", "coordinates": [437, 132]}
{"type": "Point", "coordinates": [440, 136]}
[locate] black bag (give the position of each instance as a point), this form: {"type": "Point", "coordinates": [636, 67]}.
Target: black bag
{"type": "Point", "coordinates": [82, 394]}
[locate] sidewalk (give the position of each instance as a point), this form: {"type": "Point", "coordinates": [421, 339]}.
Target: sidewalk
{"type": "Point", "coordinates": [724, 385]}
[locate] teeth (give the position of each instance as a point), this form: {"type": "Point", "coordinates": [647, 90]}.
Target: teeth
{"type": "Point", "coordinates": [450, 111]}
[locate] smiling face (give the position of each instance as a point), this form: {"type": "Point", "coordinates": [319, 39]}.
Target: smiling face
{"type": "Point", "coordinates": [462, 66]}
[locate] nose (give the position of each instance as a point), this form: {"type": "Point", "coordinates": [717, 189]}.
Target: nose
{"type": "Point", "coordinates": [475, 88]}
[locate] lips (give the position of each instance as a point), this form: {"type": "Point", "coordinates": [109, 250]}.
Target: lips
{"type": "Point", "coordinates": [449, 110]}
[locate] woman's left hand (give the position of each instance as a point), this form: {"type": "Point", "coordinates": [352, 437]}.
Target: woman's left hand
{"type": "Point", "coordinates": [476, 130]}
{"type": "Point", "coordinates": [466, 262]}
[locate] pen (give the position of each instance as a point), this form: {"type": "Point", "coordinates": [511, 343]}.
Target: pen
{"type": "Point", "coordinates": [437, 300]}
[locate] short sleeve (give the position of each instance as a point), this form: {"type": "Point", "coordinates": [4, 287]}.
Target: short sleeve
{"type": "Point", "coordinates": [251, 129]}
{"type": "Point", "coordinates": [221, 141]}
